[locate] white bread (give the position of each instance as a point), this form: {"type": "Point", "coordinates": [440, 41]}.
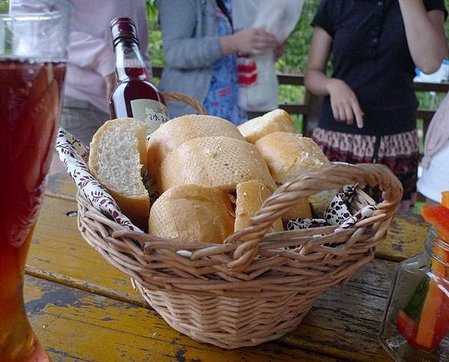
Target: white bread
{"type": "Point", "coordinates": [171, 135]}
{"type": "Point", "coordinates": [250, 195]}
{"type": "Point", "coordinates": [192, 213]}
{"type": "Point", "coordinates": [116, 158]}
{"type": "Point", "coordinates": [277, 120]}
{"type": "Point", "coordinates": [220, 162]}
{"type": "Point", "coordinates": [289, 154]}
{"type": "Point", "coordinates": [302, 209]}
{"type": "Point", "coordinates": [320, 201]}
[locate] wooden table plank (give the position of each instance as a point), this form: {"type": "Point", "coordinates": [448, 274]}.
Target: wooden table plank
{"type": "Point", "coordinates": [405, 238]}
{"type": "Point", "coordinates": [59, 253]}
{"type": "Point", "coordinates": [344, 322]}
{"type": "Point", "coordinates": [59, 183]}
{"type": "Point", "coordinates": [332, 326]}
{"type": "Point", "coordinates": [77, 326]}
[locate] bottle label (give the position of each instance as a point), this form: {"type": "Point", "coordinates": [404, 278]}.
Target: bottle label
{"type": "Point", "coordinates": [152, 112]}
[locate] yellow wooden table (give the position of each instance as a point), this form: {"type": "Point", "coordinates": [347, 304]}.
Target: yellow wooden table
{"type": "Point", "coordinates": [83, 309]}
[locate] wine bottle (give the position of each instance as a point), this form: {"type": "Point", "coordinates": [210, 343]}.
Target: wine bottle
{"type": "Point", "coordinates": [134, 96]}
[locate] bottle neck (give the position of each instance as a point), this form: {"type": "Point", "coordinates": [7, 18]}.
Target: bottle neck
{"type": "Point", "coordinates": [129, 63]}
{"type": "Point", "coordinates": [438, 250]}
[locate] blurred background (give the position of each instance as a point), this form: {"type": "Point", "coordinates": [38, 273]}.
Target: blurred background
{"type": "Point", "coordinates": [294, 59]}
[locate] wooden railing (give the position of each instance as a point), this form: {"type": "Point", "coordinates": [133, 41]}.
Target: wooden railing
{"type": "Point", "coordinates": [309, 107]}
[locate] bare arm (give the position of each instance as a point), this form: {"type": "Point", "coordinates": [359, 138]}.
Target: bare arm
{"type": "Point", "coordinates": [425, 34]}
{"type": "Point", "coordinates": [344, 103]}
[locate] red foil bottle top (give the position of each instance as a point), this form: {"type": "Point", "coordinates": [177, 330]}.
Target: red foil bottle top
{"type": "Point", "coordinates": [123, 28]}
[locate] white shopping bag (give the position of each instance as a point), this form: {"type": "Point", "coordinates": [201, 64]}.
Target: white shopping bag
{"type": "Point", "coordinates": [259, 87]}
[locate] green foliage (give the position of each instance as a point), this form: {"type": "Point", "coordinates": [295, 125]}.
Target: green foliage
{"type": "Point", "coordinates": [4, 6]}
{"type": "Point", "coordinates": [156, 52]}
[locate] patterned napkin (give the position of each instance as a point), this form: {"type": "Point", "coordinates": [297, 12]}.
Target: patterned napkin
{"type": "Point", "coordinates": [337, 213]}
{"type": "Point", "coordinates": [74, 155]}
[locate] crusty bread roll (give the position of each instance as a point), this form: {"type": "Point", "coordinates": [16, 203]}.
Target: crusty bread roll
{"type": "Point", "coordinates": [192, 213]}
{"type": "Point", "coordinates": [321, 201]}
{"type": "Point", "coordinates": [220, 162]}
{"type": "Point", "coordinates": [116, 158]}
{"type": "Point", "coordinates": [289, 154]}
{"type": "Point", "coordinates": [277, 120]}
{"type": "Point", "coordinates": [172, 134]}
{"type": "Point", "coordinates": [301, 209]}
{"type": "Point", "coordinates": [250, 195]}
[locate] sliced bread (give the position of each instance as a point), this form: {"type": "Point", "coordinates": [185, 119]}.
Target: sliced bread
{"type": "Point", "coordinates": [116, 160]}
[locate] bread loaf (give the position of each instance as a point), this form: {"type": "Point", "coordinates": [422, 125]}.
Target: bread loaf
{"type": "Point", "coordinates": [274, 121]}
{"type": "Point", "coordinates": [321, 201]}
{"type": "Point", "coordinates": [192, 213]}
{"type": "Point", "coordinates": [288, 154]}
{"type": "Point", "coordinates": [301, 209]}
{"type": "Point", "coordinates": [116, 160]}
{"type": "Point", "coordinates": [220, 162]}
{"type": "Point", "coordinates": [250, 195]}
{"type": "Point", "coordinates": [172, 134]}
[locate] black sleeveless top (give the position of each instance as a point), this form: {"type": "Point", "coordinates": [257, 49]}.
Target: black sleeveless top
{"type": "Point", "coordinates": [370, 53]}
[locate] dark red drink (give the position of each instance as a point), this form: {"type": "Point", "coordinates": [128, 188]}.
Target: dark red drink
{"type": "Point", "coordinates": [29, 113]}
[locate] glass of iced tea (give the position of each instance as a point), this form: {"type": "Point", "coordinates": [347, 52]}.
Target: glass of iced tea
{"type": "Point", "coordinates": [33, 51]}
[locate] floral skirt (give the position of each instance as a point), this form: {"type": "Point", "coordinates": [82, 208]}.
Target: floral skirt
{"type": "Point", "coordinates": [400, 152]}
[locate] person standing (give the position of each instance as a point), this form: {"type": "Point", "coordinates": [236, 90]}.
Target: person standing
{"type": "Point", "coordinates": [369, 110]}
{"type": "Point", "coordinates": [200, 50]}
{"type": "Point", "coordinates": [90, 76]}
{"type": "Point", "coordinates": [435, 163]}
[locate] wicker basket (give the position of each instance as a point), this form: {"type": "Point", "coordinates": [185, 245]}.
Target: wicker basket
{"type": "Point", "coordinates": [192, 102]}
{"type": "Point", "coordinates": [256, 286]}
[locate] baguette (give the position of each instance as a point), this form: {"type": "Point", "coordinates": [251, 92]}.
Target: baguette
{"type": "Point", "coordinates": [192, 213]}
{"type": "Point", "coordinates": [250, 195]}
{"type": "Point", "coordinates": [116, 160]}
{"type": "Point", "coordinates": [171, 135]}
{"type": "Point", "coordinates": [289, 154]}
{"type": "Point", "coordinates": [277, 120]}
{"type": "Point", "coordinates": [220, 162]}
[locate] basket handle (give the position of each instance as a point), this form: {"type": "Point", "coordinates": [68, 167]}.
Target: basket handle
{"type": "Point", "coordinates": [329, 177]}
{"type": "Point", "coordinates": [183, 98]}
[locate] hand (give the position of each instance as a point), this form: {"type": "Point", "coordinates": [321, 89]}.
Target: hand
{"type": "Point", "coordinates": [279, 51]}
{"type": "Point", "coordinates": [248, 41]}
{"type": "Point", "coordinates": [344, 103]}
{"type": "Point", "coordinates": [110, 82]}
